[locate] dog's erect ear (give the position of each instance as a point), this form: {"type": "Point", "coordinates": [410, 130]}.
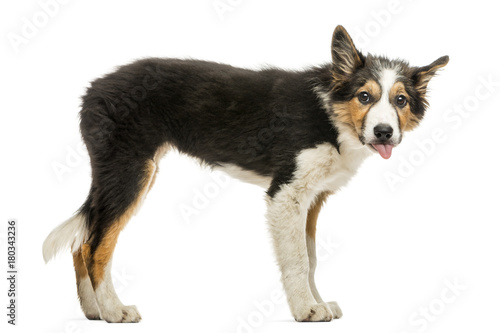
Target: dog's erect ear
{"type": "Point", "coordinates": [346, 58]}
{"type": "Point", "coordinates": [423, 75]}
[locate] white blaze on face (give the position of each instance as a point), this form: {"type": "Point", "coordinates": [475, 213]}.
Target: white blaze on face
{"type": "Point", "coordinates": [383, 113]}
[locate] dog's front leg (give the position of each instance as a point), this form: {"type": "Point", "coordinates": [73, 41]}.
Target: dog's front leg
{"type": "Point", "coordinates": [286, 214]}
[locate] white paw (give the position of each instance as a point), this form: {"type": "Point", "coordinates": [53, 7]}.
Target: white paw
{"type": "Point", "coordinates": [88, 301]}
{"type": "Point", "coordinates": [90, 308]}
{"type": "Point", "coordinates": [123, 314]}
{"type": "Point", "coordinates": [337, 313]}
{"type": "Point", "coordinates": [92, 314]}
{"type": "Point", "coordinates": [316, 312]}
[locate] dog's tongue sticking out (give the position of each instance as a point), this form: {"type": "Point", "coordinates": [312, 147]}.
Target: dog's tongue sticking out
{"type": "Point", "coordinates": [384, 150]}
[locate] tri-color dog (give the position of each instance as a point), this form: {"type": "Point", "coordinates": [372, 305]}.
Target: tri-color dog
{"type": "Point", "coordinates": [300, 134]}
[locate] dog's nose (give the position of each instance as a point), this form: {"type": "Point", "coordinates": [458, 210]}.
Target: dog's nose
{"type": "Point", "coordinates": [383, 132]}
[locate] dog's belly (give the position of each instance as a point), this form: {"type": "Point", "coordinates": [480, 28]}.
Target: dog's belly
{"type": "Point", "coordinates": [245, 175]}
{"type": "Point", "coordinates": [339, 177]}
{"type": "Point", "coordinates": [333, 177]}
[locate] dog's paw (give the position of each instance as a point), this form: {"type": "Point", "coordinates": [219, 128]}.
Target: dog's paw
{"type": "Point", "coordinates": [316, 312]}
{"type": "Point", "coordinates": [90, 309]}
{"type": "Point", "coordinates": [337, 313]}
{"type": "Point", "coordinates": [123, 314]}
{"type": "Point", "coordinates": [93, 316]}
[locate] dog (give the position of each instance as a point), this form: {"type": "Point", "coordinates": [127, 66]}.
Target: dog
{"type": "Point", "coordinates": [299, 134]}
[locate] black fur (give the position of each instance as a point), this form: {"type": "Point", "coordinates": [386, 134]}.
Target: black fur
{"type": "Point", "coordinates": [257, 120]}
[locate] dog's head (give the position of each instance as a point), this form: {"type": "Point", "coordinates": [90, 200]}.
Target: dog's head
{"type": "Point", "coordinates": [377, 99]}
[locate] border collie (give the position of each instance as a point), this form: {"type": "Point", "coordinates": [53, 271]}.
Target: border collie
{"type": "Point", "coordinates": [300, 134]}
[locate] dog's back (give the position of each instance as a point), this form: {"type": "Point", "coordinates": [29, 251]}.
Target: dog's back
{"type": "Point", "coordinates": [257, 120]}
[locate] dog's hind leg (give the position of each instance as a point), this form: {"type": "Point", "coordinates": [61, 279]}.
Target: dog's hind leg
{"type": "Point", "coordinates": [312, 217]}
{"type": "Point", "coordinates": [120, 189]}
{"type": "Point", "coordinates": [86, 293]}
{"type": "Point", "coordinates": [73, 233]}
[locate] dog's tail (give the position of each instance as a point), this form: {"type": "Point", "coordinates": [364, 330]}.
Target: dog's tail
{"type": "Point", "coordinates": [72, 233]}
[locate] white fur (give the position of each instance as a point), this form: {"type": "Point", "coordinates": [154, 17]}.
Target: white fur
{"type": "Point", "coordinates": [319, 169]}
{"type": "Point", "coordinates": [383, 112]}
{"type": "Point", "coordinates": [88, 299]}
{"type": "Point", "coordinates": [324, 98]}
{"type": "Point", "coordinates": [111, 308]}
{"type": "Point", "coordinates": [286, 215]}
{"type": "Point", "coordinates": [70, 234]}
{"type": "Point", "coordinates": [245, 175]}
{"type": "Point", "coordinates": [311, 253]}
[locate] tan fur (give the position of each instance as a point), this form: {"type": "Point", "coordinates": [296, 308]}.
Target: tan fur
{"type": "Point", "coordinates": [353, 112]}
{"type": "Point", "coordinates": [104, 251]}
{"type": "Point", "coordinates": [312, 214]}
{"type": "Point", "coordinates": [407, 119]}
{"type": "Point", "coordinates": [86, 294]}
{"type": "Point", "coordinates": [312, 218]}
{"type": "Point", "coordinates": [425, 76]}
{"type": "Point", "coordinates": [158, 156]}
{"type": "Point", "coordinates": [161, 152]}
{"type": "Point", "coordinates": [80, 268]}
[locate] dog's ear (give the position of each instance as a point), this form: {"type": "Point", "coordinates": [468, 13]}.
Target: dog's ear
{"type": "Point", "coordinates": [346, 58]}
{"type": "Point", "coordinates": [422, 75]}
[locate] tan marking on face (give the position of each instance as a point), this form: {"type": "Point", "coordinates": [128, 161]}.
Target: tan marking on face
{"type": "Point", "coordinates": [353, 112]}
{"type": "Point", "coordinates": [412, 123]}
{"type": "Point", "coordinates": [407, 119]}
{"type": "Point", "coordinates": [313, 212]}
{"type": "Point", "coordinates": [97, 262]}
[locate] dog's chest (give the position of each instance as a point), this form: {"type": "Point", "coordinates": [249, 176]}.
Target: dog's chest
{"type": "Point", "coordinates": [344, 169]}
{"type": "Point", "coordinates": [323, 168]}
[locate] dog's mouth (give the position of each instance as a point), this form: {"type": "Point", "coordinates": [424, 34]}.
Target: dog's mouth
{"type": "Point", "coordinates": [383, 147]}
{"type": "Point", "coordinates": [385, 150]}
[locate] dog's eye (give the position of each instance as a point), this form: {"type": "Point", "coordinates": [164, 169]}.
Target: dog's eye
{"type": "Point", "coordinates": [364, 97]}
{"type": "Point", "coordinates": [401, 101]}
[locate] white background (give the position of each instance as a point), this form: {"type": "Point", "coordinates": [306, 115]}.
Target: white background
{"type": "Point", "coordinates": [388, 253]}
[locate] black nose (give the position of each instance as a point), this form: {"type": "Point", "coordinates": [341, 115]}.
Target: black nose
{"type": "Point", "coordinates": [383, 132]}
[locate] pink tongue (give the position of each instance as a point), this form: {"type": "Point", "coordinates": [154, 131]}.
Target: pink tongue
{"type": "Point", "coordinates": [384, 150]}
